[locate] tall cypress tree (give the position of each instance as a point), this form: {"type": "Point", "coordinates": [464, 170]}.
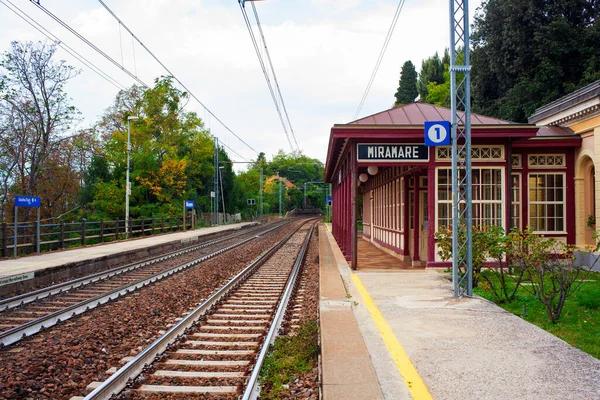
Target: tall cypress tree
{"type": "Point", "coordinates": [432, 70]}
{"type": "Point", "coordinates": [407, 89]}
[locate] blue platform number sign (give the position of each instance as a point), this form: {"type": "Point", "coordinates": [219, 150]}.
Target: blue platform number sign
{"type": "Point", "coordinates": [328, 200]}
{"type": "Point", "coordinates": [437, 133]}
{"type": "Point", "coordinates": [189, 204]}
{"type": "Point", "coordinates": [27, 201]}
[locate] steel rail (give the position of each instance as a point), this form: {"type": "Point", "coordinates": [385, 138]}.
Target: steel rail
{"type": "Point", "coordinates": [119, 380]}
{"type": "Point", "coordinates": [252, 385]}
{"type": "Point", "coordinates": [26, 298]}
{"type": "Point", "coordinates": [32, 327]}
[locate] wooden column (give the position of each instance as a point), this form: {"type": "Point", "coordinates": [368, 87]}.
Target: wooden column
{"type": "Point", "coordinates": [354, 205]}
{"type": "Point", "coordinates": [405, 222]}
{"type": "Point", "coordinates": [417, 227]}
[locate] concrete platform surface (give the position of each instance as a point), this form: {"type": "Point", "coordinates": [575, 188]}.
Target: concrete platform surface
{"type": "Point", "coordinates": [461, 348]}
{"type": "Point", "coordinates": [28, 264]}
{"type": "Point", "coordinates": [347, 371]}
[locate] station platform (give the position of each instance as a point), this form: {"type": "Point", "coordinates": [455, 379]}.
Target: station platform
{"type": "Point", "coordinates": [392, 332]}
{"type": "Point", "coordinates": [26, 268]}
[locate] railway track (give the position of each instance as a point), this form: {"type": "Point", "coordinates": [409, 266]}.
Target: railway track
{"type": "Point", "coordinates": [218, 348]}
{"type": "Point", "coordinates": [28, 314]}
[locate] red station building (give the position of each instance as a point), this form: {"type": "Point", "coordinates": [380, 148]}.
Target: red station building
{"type": "Point", "coordinates": [522, 175]}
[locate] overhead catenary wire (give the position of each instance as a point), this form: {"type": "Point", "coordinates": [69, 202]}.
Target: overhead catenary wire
{"type": "Point", "coordinates": [265, 73]}
{"type": "Point", "coordinates": [86, 41]}
{"type": "Point", "coordinates": [36, 25]}
{"type": "Point", "coordinates": [274, 76]}
{"type": "Point", "coordinates": [274, 96]}
{"type": "Point", "coordinates": [173, 75]}
{"type": "Point", "coordinates": [132, 75]}
{"type": "Point", "coordinates": [380, 58]}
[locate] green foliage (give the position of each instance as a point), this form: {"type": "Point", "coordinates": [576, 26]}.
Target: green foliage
{"type": "Point", "coordinates": [439, 93]}
{"type": "Point", "coordinates": [407, 89]}
{"type": "Point", "coordinates": [485, 240]}
{"type": "Point", "coordinates": [579, 324]}
{"type": "Point", "coordinates": [171, 155]}
{"type": "Point", "coordinates": [289, 357]}
{"type": "Point", "coordinates": [293, 168]}
{"type": "Point", "coordinates": [528, 53]}
{"type": "Point", "coordinates": [432, 72]}
{"type": "Point", "coordinates": [545, 263]}
{"type": "Point", "coordinates": [552, 273]}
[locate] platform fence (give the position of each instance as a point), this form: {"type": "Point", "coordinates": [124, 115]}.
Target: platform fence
{"type": "Point", "coordinates": [65, 235]}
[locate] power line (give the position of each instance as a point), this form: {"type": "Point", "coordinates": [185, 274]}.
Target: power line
{"type": "Point", "coordinates": [173, 75]}
{"type": "Point", "coordinates": [274, 76]}
{"type": "Point", "coordinates": [29, 20]}
{"type": "Point", "coordinates": [266, 75]}
{"type": "Point", "coordinates": [36, 25]}
{"type": "Point", "coordinates": [380, 58]}
{"type": "Point", "coordinates": [86, 41]}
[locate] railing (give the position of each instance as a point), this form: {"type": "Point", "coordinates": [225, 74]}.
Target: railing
{"type": "Point", "coordinates": [62, 235]}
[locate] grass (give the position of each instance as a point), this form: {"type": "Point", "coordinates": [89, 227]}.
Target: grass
{"type": "Point", "coordinates": [289, 358]}
{"type": "Point", "coordinates": [579, 323]}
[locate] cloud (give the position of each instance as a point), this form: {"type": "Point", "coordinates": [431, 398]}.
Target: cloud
{"type": "Point", "coordinates": [337, 5]}
{"type": "Point", "coordinates": [323, 52]}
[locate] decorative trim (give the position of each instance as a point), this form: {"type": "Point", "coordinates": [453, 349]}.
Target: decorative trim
{"type": "Point", "coordinates": [517, 161]}
{"type": "Point", "coordinates": [478, 153]}
{"type": "Point", "coordinates": [546, 160]}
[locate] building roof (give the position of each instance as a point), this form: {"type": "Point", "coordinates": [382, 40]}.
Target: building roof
{"type": "Point", "coordinates": [285, 181]}
{"type": "Point", "coordinates": [406, 123]}
{"type": "Point", "coordinates": [580, 102]}
{"type": "Point", "coordinates": [418, 114]}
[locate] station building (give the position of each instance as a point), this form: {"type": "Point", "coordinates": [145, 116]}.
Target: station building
{"type": "Point", "coordinates": [539, 175]}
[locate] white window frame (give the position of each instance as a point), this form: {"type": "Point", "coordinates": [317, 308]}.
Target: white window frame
{"type": "Point", "coordinates": [477, 202]}
{"type": "Point", "coordinates": [531, 202]}
{"type": "Point", "coordinates": [518, 201]}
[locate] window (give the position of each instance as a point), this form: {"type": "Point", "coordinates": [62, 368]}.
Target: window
{"type": "Point", "coordinates": [486, 195]}
{"type": "Point", "coordinates": [516, 201]}
{"type": "Point", "coordinates": [547, 202]}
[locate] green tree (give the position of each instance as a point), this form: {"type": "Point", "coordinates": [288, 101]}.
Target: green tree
{"type": "Point", "coordinates": [432, 71]}
{"type": "Point", "coordinates": [171, 154]}
{"type": "Point", "coordinates": [407, 89]}
{"type": "Point", "coordinates": [530, 52]}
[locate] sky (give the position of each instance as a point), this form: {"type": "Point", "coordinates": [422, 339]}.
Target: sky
{"type": "Point", "coordinates": [323, 52]}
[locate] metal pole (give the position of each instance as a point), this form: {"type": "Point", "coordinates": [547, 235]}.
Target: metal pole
{"type": "Point", "coordinates": [127, 186]}
{"type": "Point", "coordinates": [37, 230]}
{"type": "Point", "coordinates": [261, 193]}
{"type": "Point", "coordinates": [15, 236]}
{"type": "Point", "coordinates": [461, 147]}
{"type": "Point", "coordinates": [216, 184]}
{"type": "Point", "coordinates": [304, 196]}
{"type": "Point", "coordinates": [279, 194]}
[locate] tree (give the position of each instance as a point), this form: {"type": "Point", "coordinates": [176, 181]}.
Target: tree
{"type": "Point", "coordinates": [530, 52]}
{"type": "Point", "coordinates": [35, 114]}
{"type": "Point", "coordinates": [407, 89]}
{"type": "Point", "coordinates": [432, 71]}
{"type": "Point", "coordinates": [171, 156]}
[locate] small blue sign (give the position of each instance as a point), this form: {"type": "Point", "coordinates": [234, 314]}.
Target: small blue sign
{"type": "Point", "coordinates": [189, 204]}
{"type": "Point", "coordinates": [27, 201]}
{"type": "Point", "coordinates": [437, 133]}
{"type": "Point", "coordinates": [328, 199]}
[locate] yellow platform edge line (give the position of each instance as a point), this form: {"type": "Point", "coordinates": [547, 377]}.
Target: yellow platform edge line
{"type": "Point", "coordinates": [413, 380]}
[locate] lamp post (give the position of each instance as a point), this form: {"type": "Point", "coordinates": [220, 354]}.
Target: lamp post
{"type": "Point", "coordinates": [127, 185]}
